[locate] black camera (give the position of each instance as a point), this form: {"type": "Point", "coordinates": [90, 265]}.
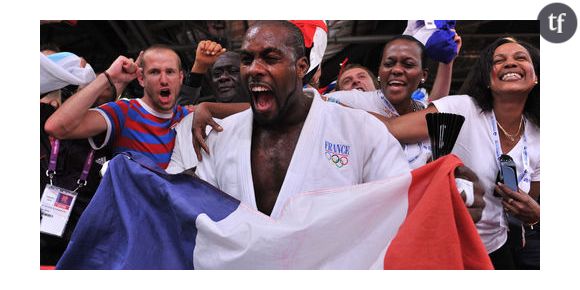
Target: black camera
{"type": "Point", "coordinates": [507, 173]}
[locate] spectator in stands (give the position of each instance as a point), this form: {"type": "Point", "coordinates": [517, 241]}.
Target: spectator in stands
{"type": "Point", "coordinates": [224, 71]}
{"type": "Point", "coordinates": [502, 116]}
{"type": "Point", "coordinates": [401, 72]}
{"type": "Point", "coordinates": [225, 76]}
{"type": "Point", "coordinates": [71, 155]}
{"type": "Point", "coordinates": [149, 120]}
{"type": "Point", "coordinates": [356, 77]}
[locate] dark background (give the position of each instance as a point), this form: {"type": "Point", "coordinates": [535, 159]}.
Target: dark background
{"type": "Point", "coordinates": [101, 41]}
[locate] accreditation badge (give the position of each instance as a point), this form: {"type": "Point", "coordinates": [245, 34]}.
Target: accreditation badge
{"type": "Point", "coordinates": [55, 207]}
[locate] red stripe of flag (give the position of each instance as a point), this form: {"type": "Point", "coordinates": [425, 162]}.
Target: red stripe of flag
{"type": "Point", "coordinates": [438, 232]}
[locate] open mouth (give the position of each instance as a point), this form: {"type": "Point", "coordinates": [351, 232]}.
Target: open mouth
{"type": "Point", "coordinates": [164, 95]}
{"type": "Point", "coordinates": [263, 97]}
{"type": "Point", "coordinates": [224, 89]}
{"type": "Point", "coordinates": [511, 76]}
{"type": "Point", "coordinates": [396, 83]}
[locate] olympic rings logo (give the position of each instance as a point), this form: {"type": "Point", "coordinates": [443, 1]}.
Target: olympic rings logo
{"type": "Point", "coordinates": [339, 160]}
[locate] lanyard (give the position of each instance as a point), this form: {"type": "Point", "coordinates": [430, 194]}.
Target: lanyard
{"type": "Point", "coordinates": [392, 112]}
{"type": "Point", "coordinates": [389, 108]}
{"type": "Point", "coordinates": [51, 171]}
{"type": "Point", "coordinates": [54, 146]}
{"type": "Point", "coordinates": [524, 177]}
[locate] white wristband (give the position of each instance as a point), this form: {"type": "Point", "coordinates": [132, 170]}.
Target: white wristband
{"type": "Point", "coordinates": [466, 187]}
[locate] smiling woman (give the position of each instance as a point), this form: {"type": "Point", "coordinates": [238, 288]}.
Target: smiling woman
{"type": "Point", "coordinates": [502, 91]}
{"type": "Point", "coordinates": [513, 67]}
{"type": "Point", "coordinates": [402, 71]}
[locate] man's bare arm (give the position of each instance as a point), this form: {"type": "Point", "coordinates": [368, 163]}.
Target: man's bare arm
{"type": "Point", "coordinates": [73, 119]}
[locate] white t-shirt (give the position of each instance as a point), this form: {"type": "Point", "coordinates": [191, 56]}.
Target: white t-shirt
{"type": "Point", "coordinates": [375, 102]}
{"type": "Point", "coordinates": [476, 148]}
{"type": "Point", "coordinates": [183, 156]}
{"type": "Point", "coordinates": [332, 151]}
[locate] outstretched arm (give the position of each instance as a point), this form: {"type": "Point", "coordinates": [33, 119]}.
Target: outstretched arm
{"type": "Point", "coordinates": [73, 120]}
{"type": "Point", "coordinates": [411, 127]}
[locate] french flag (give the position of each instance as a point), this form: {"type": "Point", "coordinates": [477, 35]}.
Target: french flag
{"type": "Point", "coordinates": [144, 218]}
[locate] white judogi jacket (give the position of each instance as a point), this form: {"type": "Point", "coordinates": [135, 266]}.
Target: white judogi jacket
{"type": "Point", "coordinates": [338, 146]}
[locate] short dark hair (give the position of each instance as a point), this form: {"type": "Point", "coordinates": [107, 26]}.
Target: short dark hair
{"type": "Point", "coordinates": [478, 80]}
{"type": "Point", "coordinates": [228, 53]}
{"type": "Point", "coordinates": [294, 38]}
{"type": "Point", "coordinates": [49, 46]}
{"type": "Point", "coordinates": [160, 47]}
{"type": "Point", "coordinates": [353, 66]}
{"type": "Point", "coordinates": [412, 39]}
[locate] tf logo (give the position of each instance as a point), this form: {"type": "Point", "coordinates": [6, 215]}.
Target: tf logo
{"type": "Point", "coordinates": [337, 154]}
{"type": "Point", "coordinates": [557, 22]}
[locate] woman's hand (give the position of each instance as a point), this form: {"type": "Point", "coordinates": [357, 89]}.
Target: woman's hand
{"type": "Point", "coordinates": [458, 41]}
{"type": "Point", "coordinates": [519, 204]}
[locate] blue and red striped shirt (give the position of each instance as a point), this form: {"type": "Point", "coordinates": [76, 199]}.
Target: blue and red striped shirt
{"type": "Point", "coordinates": [134, 126]}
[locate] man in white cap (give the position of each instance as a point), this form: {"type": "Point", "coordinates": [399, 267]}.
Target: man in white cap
{"type": "Point", "coordinates": [61, 73]}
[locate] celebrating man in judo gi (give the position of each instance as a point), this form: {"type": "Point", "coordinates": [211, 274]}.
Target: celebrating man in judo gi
{"type": "Point", "coordinates": [291, 141]}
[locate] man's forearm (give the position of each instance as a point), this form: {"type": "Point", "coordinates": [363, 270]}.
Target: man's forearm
{"type": "Point", "coordinates": [222, 110]}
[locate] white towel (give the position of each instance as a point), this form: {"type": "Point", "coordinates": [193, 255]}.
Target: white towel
{"type": "Point", "coordinates": [62, 69]}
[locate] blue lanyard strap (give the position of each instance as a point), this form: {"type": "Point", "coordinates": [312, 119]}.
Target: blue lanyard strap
{"type": "Point", "coordinates": [525, 175]}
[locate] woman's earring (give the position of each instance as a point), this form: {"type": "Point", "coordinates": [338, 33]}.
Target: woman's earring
{"type": "Point", "coordinates": [536, 82]}
{"type": "Point", "coordinates": [422, 81]}
{"type": "Point", "coordinates": [379, 79]}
